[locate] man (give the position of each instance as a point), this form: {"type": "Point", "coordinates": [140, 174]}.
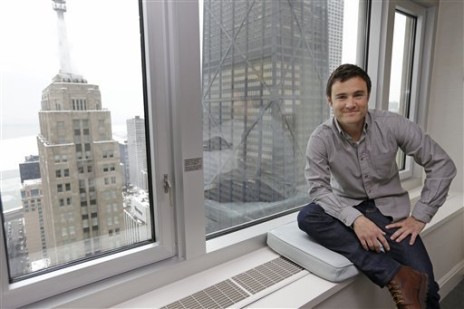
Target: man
{"type": "Point", "coordinates": [359, 208]}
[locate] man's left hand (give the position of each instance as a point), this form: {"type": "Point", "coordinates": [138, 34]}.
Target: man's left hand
{"type": "Point", "coordinates": [409, 226]}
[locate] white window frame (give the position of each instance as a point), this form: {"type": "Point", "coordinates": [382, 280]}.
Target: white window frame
{"type": "Point", "coordinates": [57, 282]}
{"type": "Point", "coordinates": [379, 63]}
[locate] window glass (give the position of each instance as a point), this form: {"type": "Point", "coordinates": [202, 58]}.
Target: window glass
{"type": "Point", "coordinates": [73, 132]}
{"type": "Point", "coordinates": [402, 63]}
{"type": "Point", "coordinates": [401, 69]}
{"type": "Point", "coordinates": [264, 69]}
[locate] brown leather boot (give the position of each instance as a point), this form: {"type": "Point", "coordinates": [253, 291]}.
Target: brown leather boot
{"type": "Point", "coordinates": [409, 288]}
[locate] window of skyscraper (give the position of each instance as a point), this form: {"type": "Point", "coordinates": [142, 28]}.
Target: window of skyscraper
{"type": "Point", "coordinates": [73, 95]}
{"type": "Point", "coordinates": [264, 69]}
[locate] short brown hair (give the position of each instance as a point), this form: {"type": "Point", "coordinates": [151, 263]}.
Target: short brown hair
{"type": "Point", "coordinates": [345, 72]}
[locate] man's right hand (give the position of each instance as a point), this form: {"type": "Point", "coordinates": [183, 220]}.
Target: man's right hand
{"type": "Point", "coordinates": [370, 235]}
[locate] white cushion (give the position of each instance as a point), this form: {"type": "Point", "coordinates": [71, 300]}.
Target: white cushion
{"type": "Point", "coordinates": [289, 241]}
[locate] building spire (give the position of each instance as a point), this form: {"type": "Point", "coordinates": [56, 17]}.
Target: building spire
{"type": "Point", "coordinates": [66, 72]}
{"type": "Point", "coordinates": [63, 47]}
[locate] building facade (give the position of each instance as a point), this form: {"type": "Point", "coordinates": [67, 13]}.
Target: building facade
{"type": "Point", "coordinates": [137, 153]}
{"type": "Point", "coordinates": [265, 64]}
{"type": "Point", "coordinates": [34, 216]}
{"type": "Point", "coordinates": [265, 67]}
{"type": "Point", "coordinates": [80, 168]}
{"type": "Point", "coordinates": [30, 168]}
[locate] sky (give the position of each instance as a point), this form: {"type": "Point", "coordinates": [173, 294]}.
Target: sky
{"type": "Point", "coordinates": [104, 49]}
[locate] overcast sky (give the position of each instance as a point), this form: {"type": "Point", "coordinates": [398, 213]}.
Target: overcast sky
{"type": "Point", "coordinates": [104, 46]}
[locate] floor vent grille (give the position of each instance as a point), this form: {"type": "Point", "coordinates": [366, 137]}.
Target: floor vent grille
{"type": "Point", "coordinates": [234, 290]}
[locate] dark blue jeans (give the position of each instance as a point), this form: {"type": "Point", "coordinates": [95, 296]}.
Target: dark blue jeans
{"type": "Point", "coordinates": [380, 268]}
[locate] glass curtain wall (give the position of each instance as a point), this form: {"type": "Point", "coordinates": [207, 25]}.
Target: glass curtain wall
{"type": "Point", "coordinates": [264, 69]}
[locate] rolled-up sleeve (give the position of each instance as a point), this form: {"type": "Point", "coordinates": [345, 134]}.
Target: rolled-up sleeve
{"type": "Point", "coordinates": [438, 166]}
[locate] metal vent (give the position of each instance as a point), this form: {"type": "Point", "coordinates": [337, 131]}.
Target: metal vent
{"type": "Point", "coordinates": [221, 295]}
{"type": "Point", "coordinates": [266, 275]}
{"type": "Point", "coordinates": [234, 290]}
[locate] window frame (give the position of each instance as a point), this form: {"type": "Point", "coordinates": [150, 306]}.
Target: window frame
{"type": "Point", "coordinates": [50, 284]}
{"type": "Point", "coordinates": [379, 61]}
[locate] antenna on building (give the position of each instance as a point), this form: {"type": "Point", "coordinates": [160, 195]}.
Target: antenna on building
{"type": "Point", "coordinates": [63, 47]}
{"type": "Point", "coordinates": [66, 72]}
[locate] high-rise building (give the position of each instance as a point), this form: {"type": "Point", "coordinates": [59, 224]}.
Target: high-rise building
{"type": "Point", "coordinates": [80, 169]}
{"type": "Point", "coordinates": [137, 218]}
{"type": "Point", "coordinates": [136, 152]}
{"type": "Point", "coordinates": [335, 17]}
{"type": "Point", "coordinates": [33, 210]}
{"type": "Point", "coordinates": [124, 162]}
{"type": "Point", "coordinates": [265, 65]}
{"type": "Point", "coordinates": [30, 168]}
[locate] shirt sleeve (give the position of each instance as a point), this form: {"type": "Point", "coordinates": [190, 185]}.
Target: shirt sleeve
{"type": "Point", "coordinates": [438, 166]}
{"type": "Point", "coordinates": [317, 173]}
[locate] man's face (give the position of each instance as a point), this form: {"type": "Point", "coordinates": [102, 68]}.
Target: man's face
{"type": "Point", "coordinates": [349, 101]}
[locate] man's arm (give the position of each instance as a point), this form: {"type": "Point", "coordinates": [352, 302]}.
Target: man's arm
{"type": "Point", "coordinates": [317, 172]}
{"type": "Point", "coordinates": [438, 166]}
{"type": "Point", "coordinates": [439, 170]}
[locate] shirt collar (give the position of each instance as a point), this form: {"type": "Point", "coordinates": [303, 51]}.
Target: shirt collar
{"type": "Point", "coordinates": [367, 122]}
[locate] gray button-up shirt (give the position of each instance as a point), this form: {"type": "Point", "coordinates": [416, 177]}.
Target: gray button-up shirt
{"type": "Point", "coordinates": [342, 173]}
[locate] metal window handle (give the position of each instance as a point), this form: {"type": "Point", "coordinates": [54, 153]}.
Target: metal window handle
{"type": "Point", "coordinates": [166, 183]}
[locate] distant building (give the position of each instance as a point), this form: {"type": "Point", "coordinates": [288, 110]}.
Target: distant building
{"type": "Point", "coordinates": [136, 152]}
{"type": "Point", "coordinates": [30, 169]}
{"type": "Point", "coordinates": [137, 217]}
{"type": "Point", "coordinates": [124, 157]}
{"type": "Point", "coordinates": [335, 13]}
{"type": "Point", "coordinates": [81, 205]}
{"type": "Point", "coordinates": [34, 216]}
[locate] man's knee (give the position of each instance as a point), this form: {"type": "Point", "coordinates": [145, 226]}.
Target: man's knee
{"type": "Point", "coordinates": [309, 215]}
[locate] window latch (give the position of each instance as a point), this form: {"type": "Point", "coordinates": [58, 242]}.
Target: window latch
{"type": "Point", "coordinates": [166, 183]}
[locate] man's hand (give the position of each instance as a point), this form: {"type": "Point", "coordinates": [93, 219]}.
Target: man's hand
{"type": "Point", "coordinates": [370, 235]}
{"type": "Point", "coordinates": [409, 226]}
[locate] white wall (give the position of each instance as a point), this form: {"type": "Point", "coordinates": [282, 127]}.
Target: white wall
{"type": "Point", "coordinates": [446, 113]}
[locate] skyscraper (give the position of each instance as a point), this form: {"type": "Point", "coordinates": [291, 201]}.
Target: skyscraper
{"type": "Point", "coordinates": [136, 152]}
{"type": "Point", "coordinates": [335, 19]}
{"type": "Point", "coordinates": [33, 211]}
{"type": "Point", "coordinates": [30, 168]}
{"type": "Point", "coordinates": [265, 64]}
{"type": "Point", "coordinates": [79, 164]}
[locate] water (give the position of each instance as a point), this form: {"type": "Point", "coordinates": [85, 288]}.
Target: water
{"type": "Point", "coordinates": [10, 185]}
{"type": "Point", "coordinates": [13, 152]}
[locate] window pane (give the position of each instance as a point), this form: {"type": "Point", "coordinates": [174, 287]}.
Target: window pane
{"type": "Point", "coordinates": [402, 62]}
{"type": "Point", "coordinates": [401, 69]}
{"type": "Point", "coordinates": [73, 160]}
{"type": "Point", "coordinates": [264, 69]}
